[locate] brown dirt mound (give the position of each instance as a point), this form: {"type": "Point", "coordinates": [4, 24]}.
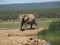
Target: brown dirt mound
{"type": "Point", "coordinates": [17, 32]}
{"type": "Point", "coordinates": [4, 41]}
{"type": "Point", "coordinates": [17, 37]}
{"type": "Point", "coordinates": [17, 40]}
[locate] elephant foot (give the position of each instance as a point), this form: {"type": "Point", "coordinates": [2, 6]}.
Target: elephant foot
{"type": "Point", "coordinates": [33, 28]}
{"type": "Point", "coordinates": [22, 29]}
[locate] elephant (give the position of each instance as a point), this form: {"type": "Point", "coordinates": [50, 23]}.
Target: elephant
{"type": "Point", "coordinates": [27, 19]}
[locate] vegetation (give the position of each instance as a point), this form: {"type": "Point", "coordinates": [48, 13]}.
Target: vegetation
{"type": "Point", "coordinates": [46, 18]}
{"type": "Point", "coordinates": [15, 24]}
{"type": "Point", "coordinates": [42, 13]}
{"type": "Point", "coordinates": [54, 26]}
{"type": "Point", "coordinates": [52, 34]}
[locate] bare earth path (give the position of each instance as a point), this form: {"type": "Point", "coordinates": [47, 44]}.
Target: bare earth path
{"type": "Point", "coordinates": [17, 37]}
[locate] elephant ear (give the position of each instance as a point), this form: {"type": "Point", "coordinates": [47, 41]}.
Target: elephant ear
{"type": "Point", "coordinates": [23, 16]}
{"type": "Point", "coordinates": [20, 17]}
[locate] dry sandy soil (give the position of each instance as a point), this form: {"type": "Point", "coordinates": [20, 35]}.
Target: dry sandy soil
{"type": "Point", "coordinates": [17, 37]}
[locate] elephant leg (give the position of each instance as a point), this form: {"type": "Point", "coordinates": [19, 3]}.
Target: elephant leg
{"type": "Point", "coordinates": [22, 23]}
{"type": "Point", "coordinates": [21, 26]}
{"type": "Point", "coordinates": [31, 26]}
{"type": "Point", "coordinates": [25, 25]}
{"type": "Point", "coordinates": [35, 23]}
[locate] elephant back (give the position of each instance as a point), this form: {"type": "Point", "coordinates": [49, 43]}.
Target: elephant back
{"type": "Point", "coordinates": [31, 17]}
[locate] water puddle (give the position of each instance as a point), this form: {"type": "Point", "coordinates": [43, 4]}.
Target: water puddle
{"type": "Point", "coordinates": [48, 43]}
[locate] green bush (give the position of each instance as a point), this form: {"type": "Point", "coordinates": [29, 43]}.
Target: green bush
{"type": "Point", "coordinates": [54, 26]}
{"type": "Point", "coordinates": [43, 33]}
{"type": "Point", "coordinates": [52, 34]}
{"type": "Point", "coordinates": [53, 29]}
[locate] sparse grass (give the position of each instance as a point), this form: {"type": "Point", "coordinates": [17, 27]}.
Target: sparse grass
{"type": "Point", "coordinates": [14, 24]}
{"type": "Point", "coordinates": [7, 25]}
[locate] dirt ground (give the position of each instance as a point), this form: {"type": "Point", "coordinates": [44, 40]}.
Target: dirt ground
{"type": "Point", "coordinates": [17, 37]}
